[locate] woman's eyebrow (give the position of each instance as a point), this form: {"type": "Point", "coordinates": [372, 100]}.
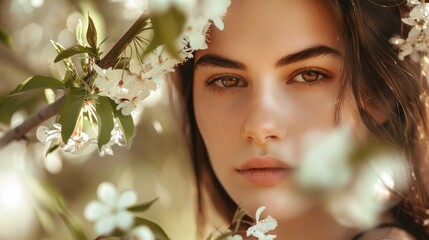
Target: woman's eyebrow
{"type": "Point", "coordinates": [306, 54]}
{"type": "Point", "coordinates": [218, 61]}
{"type": "Point", "coordinates": [214, 60]}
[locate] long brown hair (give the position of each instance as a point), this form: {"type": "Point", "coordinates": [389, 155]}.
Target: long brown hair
{"type": "Point", "coordinates": [380, 84]}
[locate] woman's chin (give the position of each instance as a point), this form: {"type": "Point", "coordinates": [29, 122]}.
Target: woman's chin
{"type": "Point", "coordinates": [283, 206]}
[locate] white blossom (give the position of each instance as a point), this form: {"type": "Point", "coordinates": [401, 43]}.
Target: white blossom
{"type": "Point", "coordinates": [418, 19]}
{"type": "Point", "coordinates": [324, 165]}
{"type": "Point", "coordinates": [214, 10]}
{"type": "Point", "coordinates": [195, 32]}
{"type": "Point", "coordinates": [363, 200]}
{"type": "Point", "coordinates": [260, 229]}
{"type": "Point", "coordinates": [110, 212]}
{"type": "Point", "coordinates": [417, 39]}
{"type": "Point", "coordinates": [139, 79]}
{"type": "Point", "coordinates": [142, 233]}
{"type": "Point", "coordinates": [354, 190]}
{"type": "Point", "coordinates": [117, 138]}
{"type": "Point", "coordinates": [108, 80]}
{"type": "Point", "coordinates": [235, 237]}
{"type": "Point", "coordinates": [160, 6]}
{"type": "Point", "coordinates": [77, 143]}
{"type": "Point", "coordinates": [50, 136]}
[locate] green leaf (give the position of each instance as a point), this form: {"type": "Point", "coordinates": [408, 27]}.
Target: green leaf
{"type": "Point", "coordinates": [77, 49]}
{"type": "Point", "coordinates": [36, 82]}
{"type": "Point", "coordinates": [5, 39]}
{"type": "Point", "coordinates": [69, 111]}
{"type": "Point", "coordinates": [48, 197]}
{"type": "Point", "coordinates": [75, 229]}
{"type": "Point", "coordinates": [91, 34]}
{"type": "Point", "coordinates": [167, 27]}
{"type": "Point", "coordinates": [142, 207]}
{"type": "Point", "coordinates": [72, 73]}
{"type": "Point", "coordinates": [105, 121]}
{"type": "Point", "coordinates": [126, 123]}
{"type": "Point", "coordinates": [156, 229]}
{"type": "Point", "coordinates": [52, 148]}
{"type": "Point", "coordinates": [69, 78]}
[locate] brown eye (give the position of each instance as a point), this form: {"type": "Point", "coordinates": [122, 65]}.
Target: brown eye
{"type": "Point", "coordinates": [310, 76]}
{"type": "Point", "coordinates": [228, 82]}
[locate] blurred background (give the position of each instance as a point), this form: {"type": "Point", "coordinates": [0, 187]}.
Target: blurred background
{"type": "Point", "coordinates": [34, 186]}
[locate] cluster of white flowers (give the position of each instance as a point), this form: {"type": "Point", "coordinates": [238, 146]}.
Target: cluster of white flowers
{"type": "Point", "coordinates": [417, 40]}
{"type": "Point", "coordinates": [416, 44]}
{"type": "Point", "coordinates": [354, 191]}
{"type": "Point", "coordinates": [129, 88]}
{"type": "Point", "coordinates": [110, 213]}
{"type": "Point", "coordinates": [80, 141]}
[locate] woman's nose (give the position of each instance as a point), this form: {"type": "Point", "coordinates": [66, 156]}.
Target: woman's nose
{"type": "Point", "coordinates": [264, 121]}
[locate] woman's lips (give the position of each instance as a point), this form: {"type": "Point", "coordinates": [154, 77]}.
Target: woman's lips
{"type": "Point", "coordinates": [264, 171]}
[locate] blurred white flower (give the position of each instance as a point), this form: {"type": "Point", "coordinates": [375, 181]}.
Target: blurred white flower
{"type": "Point", "coordinates": [160, 6]}
{"type": "Point", "coordinates": [214, 10]}
{"type": "Point", "coordinates": [260, 229]}
{"type": "Point", "coordinates": [362, 201]}
{"type": "Point", "coordinates": [325, 165]}
{"type": "Point", "coordinates": [110, 211]}
{"type": "Point", "coordinates": [142, 233]}
{"type": "Point", "coordinates": [194, 32]}
{"type": "Point", "coordinates": [413, 2]}
{"type": "Point", "coordinates": [235, 237]}
{"type": "Point", "coordinates": [353, 181]}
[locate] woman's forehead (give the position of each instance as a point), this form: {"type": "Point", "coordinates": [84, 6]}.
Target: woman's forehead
{"type": "Point", "coordinates": [280, 27]}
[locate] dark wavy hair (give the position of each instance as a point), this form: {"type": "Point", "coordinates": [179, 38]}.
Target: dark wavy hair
{"type": "Point", "coordinates": [380, 84]}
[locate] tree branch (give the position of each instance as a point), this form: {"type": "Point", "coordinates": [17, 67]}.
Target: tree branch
{"type": "Point", "coordinates": [52, 109]}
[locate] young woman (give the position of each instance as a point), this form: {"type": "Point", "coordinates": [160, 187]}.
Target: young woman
{"type": "Point", "coordinates": [283, 68]}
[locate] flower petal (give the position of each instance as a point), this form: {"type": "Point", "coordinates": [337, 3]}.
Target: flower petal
{"type": "Point", "coordinates": [258, 213]}
{"type": "Point", "coordinates": [135, 67]}
{"type": "Point", "coordinates": [95, 210]}
{"type": "Point", "coordinates": [124, 220]}
{"type": "Point", "coordinates": [409, 21]}
{"type": "Point", "coordinates": [414, 33]}
{"type": "Point", "coordinates": [107, 194]}
{"type": "Point", "coordinates": [105, 226]}
{"type": "Point", "coordinates": [127, 198]}
{"type": "Point", "coordinates": [142, 233]}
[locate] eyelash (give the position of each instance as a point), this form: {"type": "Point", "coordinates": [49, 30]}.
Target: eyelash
{"type": "Point", "coordinates": [321, 75]}
{"type": "Point", "coordinates": [212, 82]}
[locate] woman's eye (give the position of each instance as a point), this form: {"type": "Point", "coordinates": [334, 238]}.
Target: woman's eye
{"type": "Point", "coordinates": [228, 82]}
{"type": "Point", "coordinates": [309, 76]}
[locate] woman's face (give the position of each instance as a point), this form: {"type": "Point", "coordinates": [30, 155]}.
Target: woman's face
{"type": "Point", "coordinates": [267, 79]}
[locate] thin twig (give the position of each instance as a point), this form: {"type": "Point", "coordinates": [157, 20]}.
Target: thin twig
{"type": "Point", "coordinates": [52, 109]}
